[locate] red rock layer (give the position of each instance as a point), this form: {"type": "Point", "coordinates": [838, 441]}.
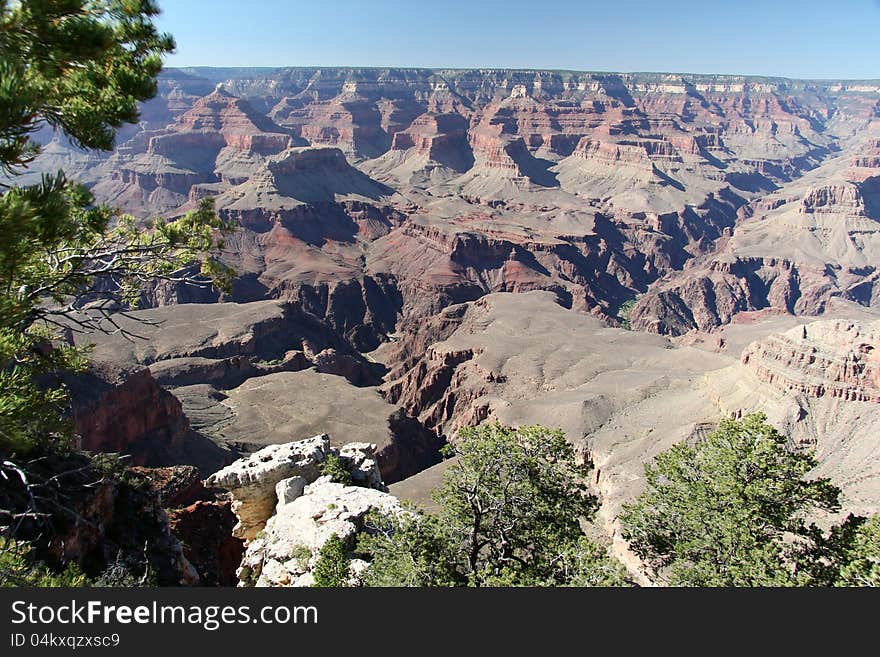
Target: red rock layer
{"type": "Point", "coordinates": [831, 358]}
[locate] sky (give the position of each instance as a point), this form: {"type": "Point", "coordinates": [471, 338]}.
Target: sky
{"type": "Point", "coordinates": [788, 38]}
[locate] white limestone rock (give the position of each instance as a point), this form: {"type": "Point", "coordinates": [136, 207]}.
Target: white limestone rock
{"type": "Point", "coordinates": [287, 549]}
{"type": "Point", "coordinates": [360, 458]}
{"type": "Point", "coordinates": [287, 490]}
{"type": "Point", "coordinates": [252, 480]}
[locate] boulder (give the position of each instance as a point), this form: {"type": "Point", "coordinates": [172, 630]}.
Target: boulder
{"type": "Point", "coordinates": [286, 551]}
{"type": "Point", "coordinates": [360, 458]}
{"type": "Point", "coordinates": [252, 480]}
{"type": "Point", "coordinates": [277, 475]}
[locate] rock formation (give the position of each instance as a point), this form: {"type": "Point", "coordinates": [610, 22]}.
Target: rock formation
{"type": "Point", "coordinates": [202, 520]}
{"type": "Point", "coordinates": [252, 481]}
{"type": "Point", "coordinates": [225, 379]}
{"type": "Point", "coordinates": [129, 413]}
{"type": "Point", "coordinates": [287, 549]}
{"type": "Point", "coordinates": [376, 197]}
{"type": "Point", "coordinates": [420, 250]}
{"type": "Point", "coordinates": [287, 510]}
{"type": "Point", "coordinates": [832, 358]}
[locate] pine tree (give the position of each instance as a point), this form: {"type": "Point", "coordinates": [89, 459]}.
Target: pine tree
{"type": "Point", "coordinates": [80, 67]}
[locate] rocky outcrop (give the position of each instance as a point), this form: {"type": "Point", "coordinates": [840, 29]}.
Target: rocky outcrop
{"type": "Point", "coordinates": [127, 412]}
{"type": "Point", "coordinates": [311, 174]}
{"type": "Point", "coordinates": [289, 545]}
{"type": "Point", "coordinates": [255, 482]}
{"type": "Point", "coordinates": [614, 154]}
{"type": "Point", "coordinates": [832, 358]}
{"type": "Point", "coordinates": [360, 461]}
{"type": "Point", "coordinates": [287, 510]}
{"type": "Point", "coordinates": [348, 121]}
{"type": "Point", "coordinates": [865, 163]}
{"type": "Point", "coordinates": [202, 520]}
{"type": "Point", "coordinates": [844, 198]}
{"type": "Point", "coordinates": [433, 391]}
{"type": "Point", "coordinates": [252, 480]}
{"type": "Point", "coordinates": [440, 138]}
{"type": "Point", "coordinates": [135, 417]}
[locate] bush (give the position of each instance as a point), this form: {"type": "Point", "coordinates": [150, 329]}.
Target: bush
{"type": "Point", "coordinates": [729, 511]}
{"type": "Point", "coordinates": [859, 562]}
{"type": "Point", "coordinates": [624, 312]}
{"type": "Point", "coordinates": [332, 569]}
{"type": "Point", "coordinates": [302, 555]}
{"type": "Point", "coordinates": [19, 567]}
{"type": "Point", "coordinates": [335, 468]}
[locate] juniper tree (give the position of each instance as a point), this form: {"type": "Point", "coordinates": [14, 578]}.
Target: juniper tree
{"type": "Point", "coordinates": [332, 568]}
{"type": "Point", "coordinates": [861, 563]}
{"type": "Point", "coordinates": [510, 513]}
{"type": "Point", "coordinates": [731, 510]}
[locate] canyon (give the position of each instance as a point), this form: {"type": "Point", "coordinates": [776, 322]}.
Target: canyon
{"type": "Point", "coordinates": [629, 257]}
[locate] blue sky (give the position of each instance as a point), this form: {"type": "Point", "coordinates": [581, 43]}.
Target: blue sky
{"type": "Point", "coordinates": [804, 39]}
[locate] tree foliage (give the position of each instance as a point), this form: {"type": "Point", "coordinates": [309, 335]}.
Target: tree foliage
{"type": "Point", "coordinates": [66, 263]}
{"type": "Point", "coordinates": [731, 510]}
{"type": "Point", "coordinates": [850, 554]}
{"type": "Point", "coordinates": [20, 567]}
{"type": "Point", "coordinates": [624, 311]}
{"type": "Point", "coordinates": [81, 67]}
{"type": "Point", "coordinates": [332, 569]}
{"type": "Point", "coordinates": [334, 467]}
{"type": "Point", "coordinates": [510, 512]}
{"type": "Point", "coordinates": [861, 562]}
{"type": "Point", "coordinates": [410, 549]}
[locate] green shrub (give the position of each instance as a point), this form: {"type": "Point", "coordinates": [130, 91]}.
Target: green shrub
{"type": "Point", "coordinates": [730, 510]}
{"type": "Point", "coordinates": [19, 567]}
{"type": "Point", "coordinates": [332, 569]}
{"type": "Point", "coordinates": [302, 555]}
{"type": "Point", "coordinates": [335, 468]}
{"type": "Point", "coordinates": [624, 312]}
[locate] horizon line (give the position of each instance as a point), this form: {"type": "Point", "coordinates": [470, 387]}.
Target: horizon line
{"type": "Point", "coordinates": [523, 70]}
